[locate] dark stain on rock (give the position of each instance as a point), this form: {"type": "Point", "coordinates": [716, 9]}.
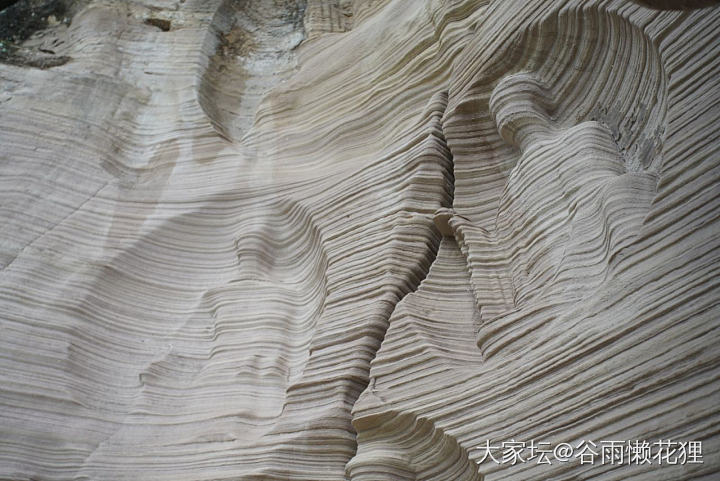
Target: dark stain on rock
{"type": "Point", "coordinates": [21, 59]}
{"type": "Point", "coordinates": [6, 3]}
{"type": "Point", "coordinates": [21, 19]}
{"type": "Point", "coordinates": [160, 23]}
{"type": "Point", "coordinates": [237, 42]}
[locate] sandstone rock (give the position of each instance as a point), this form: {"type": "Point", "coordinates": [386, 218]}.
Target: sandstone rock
{"type": "Point", "coordinates": [330, 239]}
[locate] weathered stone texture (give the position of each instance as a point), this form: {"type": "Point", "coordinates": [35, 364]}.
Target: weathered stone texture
{"type": "Point", "coordinates": [355, 239]}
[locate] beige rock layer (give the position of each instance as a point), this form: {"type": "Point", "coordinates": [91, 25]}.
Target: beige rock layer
{"type": "Point", "coordinates": [325, 240]}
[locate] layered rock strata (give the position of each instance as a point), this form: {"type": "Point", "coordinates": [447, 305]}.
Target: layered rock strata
{"type": "Point", "coordinates": [356, 239]}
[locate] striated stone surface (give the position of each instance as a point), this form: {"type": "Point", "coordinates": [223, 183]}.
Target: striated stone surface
{"type": "Point", "coordinates": [356, 239]}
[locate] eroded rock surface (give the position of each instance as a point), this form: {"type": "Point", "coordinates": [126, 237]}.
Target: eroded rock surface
{"type": "Point", "coordinates": [356, 239]}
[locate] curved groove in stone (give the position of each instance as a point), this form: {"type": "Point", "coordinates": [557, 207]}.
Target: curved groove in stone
{"type": "Point", "coordinates": [305, 298]}
{"type": "Point", "coordinates": [253, 43]}
{"type": "Point", "coordinates": [398, 447]}
{"type": "Point", "coordinates": [577, 172]}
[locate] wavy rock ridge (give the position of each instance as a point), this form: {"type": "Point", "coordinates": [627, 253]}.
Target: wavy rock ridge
{"type": "Point", "coordinates": [355, 239]}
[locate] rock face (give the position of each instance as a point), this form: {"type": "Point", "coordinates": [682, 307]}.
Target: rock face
{"type": "Point", "coordinates": [356, 239]}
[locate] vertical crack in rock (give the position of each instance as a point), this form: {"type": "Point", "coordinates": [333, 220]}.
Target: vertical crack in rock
{"type": "Point", "coordinates": [375, 261]}
{"type": "Point", "coordinates": [213, 313]}
{"type": "Point", "coordinates": [436, 147]}
{"type": "Point", "coordinates": [432, 327]}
